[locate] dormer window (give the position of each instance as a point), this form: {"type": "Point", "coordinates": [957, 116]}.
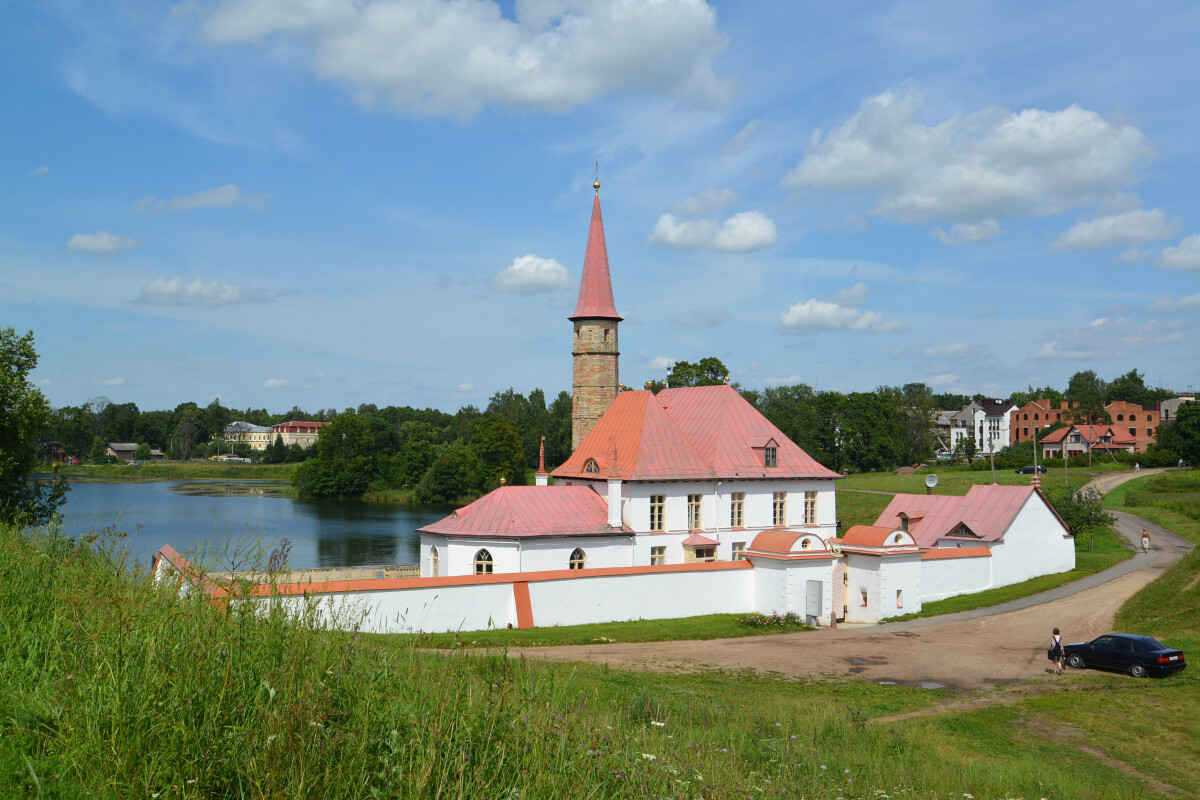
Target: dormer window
{"type": "Point", "coordinates": [769, 457]}
{"type": "Point", "coordinates": [591, 467]}
{"type": "Point", "coordinates": [904, 524]}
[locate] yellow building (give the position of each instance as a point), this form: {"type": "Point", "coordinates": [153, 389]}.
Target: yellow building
{"type": "Point", "coordinates": [257, 436]}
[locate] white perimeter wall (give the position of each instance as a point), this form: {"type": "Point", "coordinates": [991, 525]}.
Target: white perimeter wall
{"type": "Point", "coordinates": [457, 555]}
{"type": "Point", "coordinates": [947, 577]}
{"type": "Point", "coordinates": [1033, 545]}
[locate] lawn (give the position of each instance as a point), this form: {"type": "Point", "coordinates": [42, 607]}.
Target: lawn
{"type": "Point", "coordinates": [713, 626]}
{"type": "Point", "coordinates": [178, 470]}
{"type": "Point", "coordinates": [958, 480]}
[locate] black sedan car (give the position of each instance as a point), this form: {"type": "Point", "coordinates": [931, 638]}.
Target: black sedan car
{"type": "Point", "coordinates": [1030, 469]}
{"type": "Point", "coordinates": [1138, 655]}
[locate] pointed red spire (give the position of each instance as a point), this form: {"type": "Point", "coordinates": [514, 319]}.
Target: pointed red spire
{"type": "Point", "coordinates": [595, 289]}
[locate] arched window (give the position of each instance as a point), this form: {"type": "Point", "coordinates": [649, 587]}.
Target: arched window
{"type": "Point", "coordinates": [1132, 417]}
{"type": "Point", "coordinates": [578, 559]}
{"type": "Point", "coordinates": [1121, 417]}
{"type": "Point", "coordinates": [483, 563]}
{"type": "Point", "coordinates": [433, 562]}
{"type": "Point", "coordinates": [1035, 415]}
{"type": "Point", "coordinates": [591, 467]}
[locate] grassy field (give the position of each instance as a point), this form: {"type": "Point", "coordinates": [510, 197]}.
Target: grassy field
{"type": "Point", "coordinates": [958, 480]}
{"type": "Point", "coordinates": [182, 470]}
{"type": "Point", "coordinates": [712, 626]}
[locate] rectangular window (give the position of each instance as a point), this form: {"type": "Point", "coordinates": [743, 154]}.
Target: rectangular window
{"type": "Point", "coordinates": [658, 503]}
{"type": "Point", "coordinates": [769, 458]}
{"type": "Point", "coordinates": [658, 556]}
{"type": "Point", "coordinates": [864, 598]}
{"type": "Point", "coordinates": [694, 522]}
{"type": "Point", "coordinates": [1133, 431]}
{"type": "Point", "coordinates": [1149, 431]}
{"type": "Point", "coordinates": [779, 509]}
{"type": "Point", "coordinates": [739, 551]}
{"type": "Point", "coordinates": [706, 554]}
{"type": "Point", "coordinates": [737, 510]}
{"type": "Point", "coordinates": [810, 508]}
{"type": "Point", "coordinates": [899, 598]}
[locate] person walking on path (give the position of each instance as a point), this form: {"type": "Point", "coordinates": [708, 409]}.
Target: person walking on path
{"type": "Point", "coordinates": [1056, 652]}
{"type": "Point", "coordinates": [1145, 541]}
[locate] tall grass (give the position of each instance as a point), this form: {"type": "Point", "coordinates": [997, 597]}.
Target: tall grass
{"type": "Point", "coordinates": [111, 687]}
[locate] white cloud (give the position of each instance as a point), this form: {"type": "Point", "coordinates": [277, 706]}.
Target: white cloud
{"type": "Point", "coordinates": [275, 383]}
{"type": "Point", "coordinates": [174, 292]}
{"type": "Point", "coordinates": [531, 274]}
{"type": "Point", "coordinates": [227, 195]}
{"type": "Point", "coordinates": [969, 232]}
{"type": "Point", "coordinates": [660, 363]}
{"type": "Point", "coordinates": [704, 203]}
{"type": "Point", "coordinates": [945, 379]}
{"type": "Point", "coordinates": [957, 350]}
{"type": "Point", "coordinates": [749, 230]}
{"type": "Point", "coordinates": [465, 387]}
{"type": "Point", "coordinates": [789, 380]}
{"type": "Point", "coordinates": [39, 172]}
{"type": "Point", "coordinates": [1106, 337]}
{"type": "Point", "coordinates": [110, 382]}
{"type": "Point", "coordinates": [1127, 228]}
{"type": "Point", "coordinates": [1169, 304]}
{"type": "Point", "coordinates": [100, 243]}
{"type": "Point", "coordinates": [738, 143]}
{"type": "Point", "coordinates": [993, 163]}
{"type": "Point", "coordinates": [840, 313]}
{"type": "Point", "coordinates": [452, 58]}
{"type": "Point", "coordinates": [1185, 255]}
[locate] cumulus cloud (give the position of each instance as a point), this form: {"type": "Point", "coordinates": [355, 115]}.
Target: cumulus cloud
{"type": "Point", "coordinates": [749, 230]}
{"type": "Point", "coordinates": [110, 382]}
{"type": "Point", "coordinates": [698, 319]}
{"type": "Point", "coordinates": [100, 243]}
{"type": "Point", "coordinates": [1106, 337]}
{"type": "Point", "coordinates": [227, 195]}
{"type": "Point", "coordinates": [956, 350]}
{"type": "Point", "coordinates": [1185, 255]}
{"type": "Point", "coordinates": [452, 58]}
{"type": "Point", "coordinates": [839, 313]}
{"type": "Point", "coordinates": [738, 143]}
{"type": "Point", "coordinates": [39, 172]}
{"type": "Point", "coordinates": [990, 164]}
{"type": "Point", "coordinates": [704, 203]}
{"type": "Point", "coordinates": [969, 232]}
{"type": "Point", "coordinates": [174, 292]}
{"type": "Point", "coordinates": [1127, 228]}
{"type": "Point", "coordinates": [275, 383]}
{"type": "Point", "coordinates": [531, 274]}
{"type": "Point", "coordinates": [466, 387]}
{"type": "Point", "coordinates": [660, 363]}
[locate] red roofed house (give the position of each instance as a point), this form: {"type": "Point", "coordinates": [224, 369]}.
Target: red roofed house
{"type": "Point", "coordinates": [298, 432]}
{"type": "Point", "coordinates": [1078, 440]}
{"type": "Point", "coordinates": [991, 536]}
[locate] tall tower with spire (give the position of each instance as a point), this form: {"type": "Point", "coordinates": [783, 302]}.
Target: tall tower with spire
{"type": "Point", "coordinates": [594, 351]}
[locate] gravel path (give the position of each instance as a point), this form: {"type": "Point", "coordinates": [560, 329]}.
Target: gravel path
{"type": "Point", "coordinates": [973, 650]}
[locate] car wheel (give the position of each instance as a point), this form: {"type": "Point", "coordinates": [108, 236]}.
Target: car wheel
{"type": "Point", "coordinates": [1074, 661]}
{"type": "Point", "coordinates": [1137, 671]}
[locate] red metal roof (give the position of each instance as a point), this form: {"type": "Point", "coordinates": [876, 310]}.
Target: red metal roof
{"type": "Point", "coordinates": [867, 536]}
{"type": "Point", "coordinates": [986, 510]}
{"type": "Point", "coordinates": [698, 432]}
{"type": "Point", "coordinates": [775, 540]}
{"type": "Point", "coordinates": [595, 289]}
{"type": "Point", "coordinates": [523, 511]}
{"type": "Point", "coordinates": [697, 540]}
{"type": "Point", "coordinates": [1090, 433]}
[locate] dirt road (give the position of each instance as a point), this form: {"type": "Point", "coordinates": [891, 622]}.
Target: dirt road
{"type": "Point", "coordinates": [971, 650]}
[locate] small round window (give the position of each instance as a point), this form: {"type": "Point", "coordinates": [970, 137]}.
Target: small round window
{"type": "Point", "coordinates": [805, 543]}
{"type": "Point", "coordinates": [899, 538]}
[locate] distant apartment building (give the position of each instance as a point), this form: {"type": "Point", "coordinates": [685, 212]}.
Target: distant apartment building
{"type": "Point", "coordinates": [988, 423]}
{"type": "Point", "coordinates": [298, 432]}
{"type": "Point", "coordinates": [1139, 422]}
{"type": "Point", "coordinates": [1142, 423]}
{"type": "Point", "coordinates": [257, 436]}
{"type": "Point", "coordinates": [1167, 409]}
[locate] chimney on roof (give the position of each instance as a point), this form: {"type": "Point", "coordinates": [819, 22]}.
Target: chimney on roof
{"type": "Point", "coordinates": [614, 492]}
{"type": "Point", "coordinates": [542, 479]}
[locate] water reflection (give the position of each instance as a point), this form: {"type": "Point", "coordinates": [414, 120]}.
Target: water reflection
{"type": "Point", "coordinates": [187, 514]}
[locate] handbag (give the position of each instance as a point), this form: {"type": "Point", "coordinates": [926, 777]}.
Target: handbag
{"type": "Point", "coordinates": [1050, 654]}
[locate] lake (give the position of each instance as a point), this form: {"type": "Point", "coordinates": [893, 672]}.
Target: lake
{"type": "Point", "coordinates": [188, 513]}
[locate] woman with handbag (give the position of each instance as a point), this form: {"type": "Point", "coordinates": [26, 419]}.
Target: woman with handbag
{"type": "Point", "coordinates": [1055, 653]}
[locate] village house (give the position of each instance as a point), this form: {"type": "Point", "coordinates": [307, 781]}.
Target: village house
{"type": "Point", "coordinates": [256, 436]}
{"type": "Point", "coordinates": [1079, 440]}
{"type": "Point", "coordinates": [297, 432]}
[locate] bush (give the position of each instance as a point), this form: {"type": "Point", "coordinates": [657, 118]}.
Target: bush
{"type": "Point", "coordinates": [788, 620]}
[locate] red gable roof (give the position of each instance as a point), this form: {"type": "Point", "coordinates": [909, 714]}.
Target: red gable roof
{"type": "Point", "coordinates": [523, 511]}
{"type": "Point", "coordinates": [699, 432]}
{"type": "Point", "coordinates": [595, 288]}
{"type": "Point", "coordinates": [986, 510]}
{"type": "Point", "coordinates": [1090, 433]}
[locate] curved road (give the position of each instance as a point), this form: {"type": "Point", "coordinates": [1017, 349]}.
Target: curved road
{"type": "Point", "coordinates": [976, 649]}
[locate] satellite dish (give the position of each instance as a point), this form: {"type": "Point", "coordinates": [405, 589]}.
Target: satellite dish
{"type": "Point", "coordinates": [931, 481]}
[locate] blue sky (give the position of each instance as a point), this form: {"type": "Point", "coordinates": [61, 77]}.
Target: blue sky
{"type": "Point", "coordinates": [324, 203]}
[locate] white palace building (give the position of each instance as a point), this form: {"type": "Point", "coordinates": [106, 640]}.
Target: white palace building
{"type": "Point", "coordinates": [682, 503]}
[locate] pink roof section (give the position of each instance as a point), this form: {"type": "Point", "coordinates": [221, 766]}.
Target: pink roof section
{"type": "Point", "coordinates": [986, 510]}
{"type": "Point", "coordinates": [526, 511]}
{"type": "Point", "coordinates": [595, 289]}
{"type": "Point", "coordinates": [692, 433]}
{"type": "Point", "coordinates": [1091, 433]}
{"type": "Point", "coordinates": [697, 540]}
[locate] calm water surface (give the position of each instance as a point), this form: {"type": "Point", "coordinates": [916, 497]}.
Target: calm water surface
{"type": "Point", "coordinates": [187, 514]}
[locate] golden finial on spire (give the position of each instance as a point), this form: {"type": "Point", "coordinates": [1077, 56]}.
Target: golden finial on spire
{"type": "Point", "coordinates": [596, 185]}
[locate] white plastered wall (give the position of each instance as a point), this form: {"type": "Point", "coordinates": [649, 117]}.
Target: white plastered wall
{"type": "Point", "coordinates": [456, 554]}
{"type": "Point", "coordinates": [947, 577]}
{"type": "Point", "coordinates": [1033, 545]}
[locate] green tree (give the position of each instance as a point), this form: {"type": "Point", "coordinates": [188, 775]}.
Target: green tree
{"type": "Point", "coordinates": [454, 474]}
{"type": "Point", "coordinates": [345, 462]}
{"type": "Point", "coordinates": [1130, 387]}
{"type": "Point", "coordinates": [1082, 512]}
{"type": "Point", "coordinates": [558, 431]}
{"type": "Point", "coordinates": [708, 372]}
{"type": "Point", "coordinates": [142, 453]}
{"type": "Point", "coordinates": [498, 446]}
{"type": "Point", "coordinates": [98, 453]}
{"type": "Point", "coordinates": [1181, 436]}
{"type": "Point", "coordinates": [24, 415]}
{"type": "Point", "coordinates": [1086, 389]}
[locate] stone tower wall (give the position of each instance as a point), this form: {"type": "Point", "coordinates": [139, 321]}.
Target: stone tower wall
{"type": "Point", "coordinates": [595, 380]}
